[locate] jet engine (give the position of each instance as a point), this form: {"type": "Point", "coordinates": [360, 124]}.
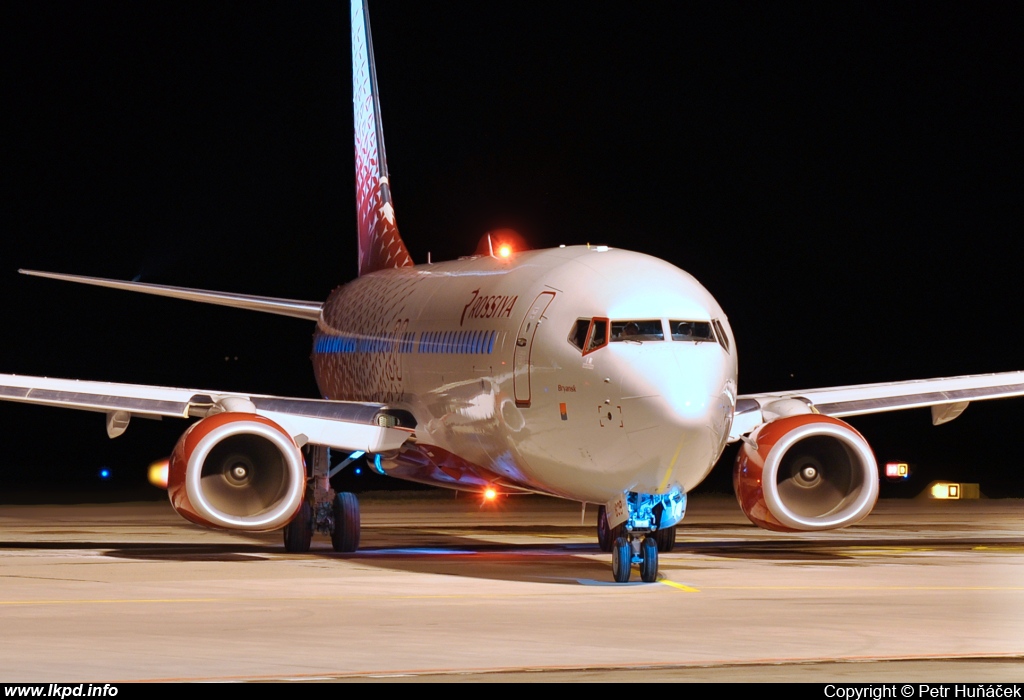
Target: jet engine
{"type": "Point", "coordinates": [805, 472]}
{"type": "Point", "coordinates": [237, 471]}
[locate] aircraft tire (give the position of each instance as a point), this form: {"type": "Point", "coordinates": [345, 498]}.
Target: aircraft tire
{"type": "Point", "coordinates": [606, 536]}
{"type": "Point", "coordinates": [299, 532]}
{"type": "Point", "coordinates": [345, 536]}
{"type": "Point", "coordinates": [649, 565]}
{"type": "Point", "coordinates": [622, 559]}
{"type": "Point", "coordinates": [666, 539]}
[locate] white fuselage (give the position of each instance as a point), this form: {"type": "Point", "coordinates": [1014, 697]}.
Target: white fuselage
{"type": "Point", "coordinates": [481, 352]}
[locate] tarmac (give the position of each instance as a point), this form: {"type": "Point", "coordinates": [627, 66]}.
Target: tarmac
{"type": "Point", "coordinates": [447, 589]}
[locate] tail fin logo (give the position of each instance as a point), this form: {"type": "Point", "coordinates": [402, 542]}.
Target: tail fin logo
{"type": "Point", "coordinates": [380, 245]}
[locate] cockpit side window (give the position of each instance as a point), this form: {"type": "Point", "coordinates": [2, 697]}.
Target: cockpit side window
{"type": "Point", "coordinates": [589, 334]}
{"type": "Point", "coordinates": [723, 338]}
{"type": "Point", "coordinates": [598, 335]}
{"type": "Point", "coordinates": [579, 332]}
{"type": "Point", "coordinates": [695, 331]}
{"type": "Point", "coordinates": [637, 330]}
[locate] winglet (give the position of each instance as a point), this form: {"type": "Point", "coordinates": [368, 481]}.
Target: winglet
{"type": "Point", "coordinates": [380, 245]}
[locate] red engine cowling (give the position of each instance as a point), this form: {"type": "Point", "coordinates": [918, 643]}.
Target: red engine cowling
{"type": "Point", "coordinates": [807, 472]}
{"type": "Point", "coordinates": [237, 471]}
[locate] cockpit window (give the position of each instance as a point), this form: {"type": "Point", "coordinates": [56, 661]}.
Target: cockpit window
{"type": "Point", "coordinates": [637, 330]}
{"type": "Point", "coordinates": [578, 334]}
{"type": "Point", "coordinates": [723, 338]}
{"type": "Point", "coordinates": [589, 334]}
{"type": "Point", "coordinates": [598, 335]}
{"type": "Point", "coordinates": [696, 331]}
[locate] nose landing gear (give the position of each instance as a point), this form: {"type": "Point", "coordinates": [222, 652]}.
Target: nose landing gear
{"type": "Point", "coordinates": [631, 549]}
{"type": "Point", "coordinates": [649, 527]}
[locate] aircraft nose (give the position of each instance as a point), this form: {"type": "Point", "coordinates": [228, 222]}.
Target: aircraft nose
{"type": "Point", "coordinates": [687, 382]}
{"type": "Point", "coordinates": [676, 412]}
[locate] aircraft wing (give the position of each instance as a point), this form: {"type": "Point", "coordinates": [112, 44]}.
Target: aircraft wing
{"type": "Point", "coordinates": [947, 397]}
{"type": "Point", "coordinates": [347, 425]}
{"type": "Point", "coordinates": [308, 310]}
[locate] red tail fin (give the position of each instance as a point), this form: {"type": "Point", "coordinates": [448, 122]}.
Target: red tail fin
{"type": "Point", "coordinates": [380, 246]}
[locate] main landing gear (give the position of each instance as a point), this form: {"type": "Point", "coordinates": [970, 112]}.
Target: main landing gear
{"type": "Point", "coordinates": [606, 535]}
{"type": "Point", "coordinates": [323, 510]}
{"type": "Point", "coordinates": [649, 528]}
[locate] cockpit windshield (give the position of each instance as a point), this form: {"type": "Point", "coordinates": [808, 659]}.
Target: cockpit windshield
{"type": "Point", "coordinates": [589, 334]}
{"type": "Point", "coordinates": [696, 331]}
{"type": "Point", "coordinates": [637, 330]}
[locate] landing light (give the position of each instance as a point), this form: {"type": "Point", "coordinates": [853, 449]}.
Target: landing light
{"type": "Point", "coordinates": [504, 250]}
{"type": "Point", "coordinates": [158, 473]}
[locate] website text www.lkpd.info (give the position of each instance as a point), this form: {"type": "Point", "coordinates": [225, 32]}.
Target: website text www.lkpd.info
{"type": "Point", "coordinates": [60, 690]}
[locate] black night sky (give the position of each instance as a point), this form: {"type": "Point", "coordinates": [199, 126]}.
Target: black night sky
{"type": "Point", "coordinates": [846, 178]}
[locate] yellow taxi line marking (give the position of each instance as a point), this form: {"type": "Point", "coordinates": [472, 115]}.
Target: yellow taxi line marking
{"type": "Point", "coordinates": [681, 586]}
{"type": "Point", "coordinates": [867, 588]}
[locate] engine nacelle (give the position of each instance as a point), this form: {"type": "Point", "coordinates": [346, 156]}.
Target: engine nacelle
{"type": "Point", "coordinates": [807, 472]}
{"type": "Point", "coordinates": [237, 471]}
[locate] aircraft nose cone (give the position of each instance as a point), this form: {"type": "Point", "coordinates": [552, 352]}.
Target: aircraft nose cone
{"type": "Point", "coordinates": [678, 413]}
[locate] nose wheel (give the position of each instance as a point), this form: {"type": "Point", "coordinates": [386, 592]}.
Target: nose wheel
{"type": "Point", "coordinates": [622, 559]}
{"type": "Point", "coordinates": [649, 560]}
{"type": "Point", "coordinates": [629, 550]}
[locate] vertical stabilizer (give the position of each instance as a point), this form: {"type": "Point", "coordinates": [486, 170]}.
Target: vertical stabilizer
{"type": "Point", "coordinates": [380, 246]}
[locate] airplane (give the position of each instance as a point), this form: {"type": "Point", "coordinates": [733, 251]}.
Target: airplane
{"type": "Point", "coordinates": [584, 372]}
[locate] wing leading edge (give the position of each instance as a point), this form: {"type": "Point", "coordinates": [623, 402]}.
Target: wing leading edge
{"type": "Point", "coordinates": [946, 396]}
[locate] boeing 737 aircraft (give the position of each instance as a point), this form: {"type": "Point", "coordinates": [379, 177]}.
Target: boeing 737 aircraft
{"type": "Point", "coordinates": [582, 372]}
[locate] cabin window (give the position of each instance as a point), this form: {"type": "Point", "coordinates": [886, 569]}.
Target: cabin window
{"type": "Point", "coordinates": [637, 330]}
{"type": "Point", "coordinates": [695, 331]}
{"type": "Point", "coordinates": [589, 334]}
